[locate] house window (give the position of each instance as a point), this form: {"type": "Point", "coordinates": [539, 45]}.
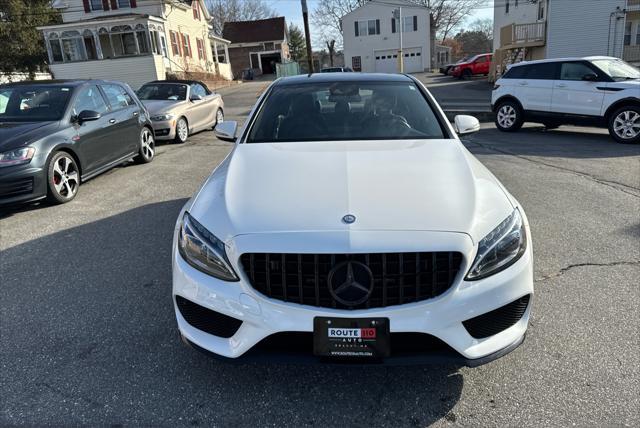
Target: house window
{"type": "Point", "coordinates": [356, 63]}
{"type": "Point", "coordinates": [90, 45]}
{"type": "Point", "coordinates": [163, 45]}
{"type": "Point", "coordinates": [627, 33]}
{"type": "Point", "coordinates": [123, 41]}
{"type": "Point", "coordinates": [56, 49]}
{"type": "Point", "coordinates": [269, 46]}
{"type": "Point", "coordinates": [638, 34]}
{"type": "Point", "coordinates": [143, 42]}
{"type": "Point", "coordinates": [175, 46]}
{"type": "Point", "coordinates": [96, 4]}
{"type": "Point", "coordinates": [367, 28]}
{"type": "Point", "coordinates": [201, 52]}
{"type": "Point", "coordinates": [155, 48]}
{"type": "Point", "coordinates": [186, 45]}
{"type": "Point", "coordinates": [541, 10]}
{"type": "Point", "coordinates": [409, 24]}
{"type": "Point", "coordinates": [196, 11]}
{"type": "Point", "coordinates": [506, 6]}
{"type": "Point", "coordinates": [124, 3]}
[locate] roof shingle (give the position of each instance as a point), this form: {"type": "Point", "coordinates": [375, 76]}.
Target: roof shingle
{"type": "Point", "coordinates": [255, 31]}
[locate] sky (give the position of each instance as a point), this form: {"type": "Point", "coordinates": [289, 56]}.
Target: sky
{"type": "Point", "coordinates": [292, 11]}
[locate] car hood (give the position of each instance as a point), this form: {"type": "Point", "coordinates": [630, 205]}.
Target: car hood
{"type": "Point", "coordinates": [430, 185]}
{"type": "Point", "coordinates": [17, 134]}
{"type": "Point", "coordinates": [161, 106]}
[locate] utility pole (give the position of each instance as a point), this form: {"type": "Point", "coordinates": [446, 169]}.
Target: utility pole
{"type": "Point", "coordinates": [397, 14]}
{"type": "Point", "coordinates": [305, 18]}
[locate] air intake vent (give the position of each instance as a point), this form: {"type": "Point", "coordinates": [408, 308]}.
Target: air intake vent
{"type": "Point", "coordinates": [207, 320]}
{"type": "Point", "coordinates": [497, 320]}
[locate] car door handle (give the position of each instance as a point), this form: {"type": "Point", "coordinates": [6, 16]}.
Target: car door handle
{"type": "Point", "coordinates": [112, 121]}
{"type": "Point", "coordinates": [523, 83]}
{"type": "Point", "coordinates": [561, 85]}
{"type": "Point", "coordinates": [135, 113]}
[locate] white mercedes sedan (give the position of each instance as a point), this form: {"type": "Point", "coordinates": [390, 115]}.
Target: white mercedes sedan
{"type": "Point", "coordinates": [350, 224]}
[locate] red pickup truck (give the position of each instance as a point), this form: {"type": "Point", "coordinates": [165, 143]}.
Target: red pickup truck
{"type": "Point", "coordinates": [478, 64]}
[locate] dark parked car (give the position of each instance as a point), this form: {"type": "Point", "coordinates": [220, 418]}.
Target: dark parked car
{"type": "Point", "coordinates": [56, 134]}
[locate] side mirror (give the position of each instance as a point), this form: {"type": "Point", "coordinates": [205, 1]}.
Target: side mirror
{"type": "Point", "coordinates": [464, 124]}
{"type": "Point", "coordinates": [195, 97]}
{"type": "Point", "coordinates": [226, 131]}
{"type": "Point", "coordinates": [590, 77]}
{"type": "Point", "coordinates": [88, 116]}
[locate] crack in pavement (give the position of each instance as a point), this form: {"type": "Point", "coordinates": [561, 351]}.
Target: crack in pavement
{"type": "Point", "coordinates": [576, 265]}
{"type": "Point", "coordinates": [613, 184]}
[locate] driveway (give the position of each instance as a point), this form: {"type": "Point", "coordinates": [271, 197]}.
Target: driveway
{"type": "Point", "coordinates": [89, 335]}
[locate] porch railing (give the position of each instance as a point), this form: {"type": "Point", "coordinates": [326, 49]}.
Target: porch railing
{"type": "Point", "coordinates": [533, 34]}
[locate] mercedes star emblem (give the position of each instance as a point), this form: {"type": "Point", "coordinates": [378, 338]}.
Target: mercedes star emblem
{"type": "Point", "coordinates": [350, 283]}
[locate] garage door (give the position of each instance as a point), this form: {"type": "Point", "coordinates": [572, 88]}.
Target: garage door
{"type": "Point", "coordinates": [387, 61]}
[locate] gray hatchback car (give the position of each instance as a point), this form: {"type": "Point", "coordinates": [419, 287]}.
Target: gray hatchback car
{"type": "Point", "coordinates": [56, 134]}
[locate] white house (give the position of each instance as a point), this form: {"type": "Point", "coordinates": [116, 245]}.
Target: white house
{"type": "Point", "coordinates": [537, 29]}
{"type": "Point", "coordinates": [371, 37]}
{"type": "Point", "coordinates": [130, 40]}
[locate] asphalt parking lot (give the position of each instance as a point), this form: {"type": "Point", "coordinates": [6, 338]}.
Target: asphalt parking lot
{"type": "Point", "coordinates": [88, 334]}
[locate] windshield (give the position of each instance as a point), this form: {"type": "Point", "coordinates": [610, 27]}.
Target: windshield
{"type": "Point", "coordinates": [163, 91]}
{"type": "Point", "coordinates": [345, 111]}
{"type": "Point", "coordinates": [33, 103]}
{"type": "Point", "coordinates": [617, 69]}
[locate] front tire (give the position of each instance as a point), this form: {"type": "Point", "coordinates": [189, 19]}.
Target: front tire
{"type": "Point", "coordinates": [182, 131]}
{"type": "Point", "coordinates": [63, 178]}
{"type": "Point", "coordinates": [147, 150]}
{"type": "Point", "coordinates": [624, 125]}
{"type": "Point", "coordinates": [509, 116]}
{"type": "Point", "coordinates": [219, 117]}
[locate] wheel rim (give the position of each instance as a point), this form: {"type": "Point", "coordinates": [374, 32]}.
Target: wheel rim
{"type": "Point", "coordinates": [147, 143]}
{"type": "Point", "coordinates": [506, 116]}
{"type": "Point", "coordinates": [219, 117]}
{"type": "Point", "coordinates": [183, 131]}
{"type": "Point", "coordinates": [626, 125]}
{"type": "Point", "coordinates": [65, 177]}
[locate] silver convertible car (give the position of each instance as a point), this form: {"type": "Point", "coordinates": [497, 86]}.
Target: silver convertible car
{"type": "Point", "coordinates": [179, 108]}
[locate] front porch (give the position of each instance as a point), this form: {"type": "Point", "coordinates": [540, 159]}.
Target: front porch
{"type": "Point", "coordinates": [131, 48]}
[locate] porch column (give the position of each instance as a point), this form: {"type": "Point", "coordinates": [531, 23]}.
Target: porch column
{"type": "Point", "coordinates": [215, 52]}
{"type": "Point", "coordinates": [96, 39]}
{"type": "Point", "coordinates": [226, 53]}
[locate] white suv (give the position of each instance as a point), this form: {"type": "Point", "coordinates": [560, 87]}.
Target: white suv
{"type": "Point", "coordinates": [592, 91]}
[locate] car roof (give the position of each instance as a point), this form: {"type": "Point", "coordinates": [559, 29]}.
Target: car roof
{"type": "Point", "coordinates": [181, 82]}
{"type": "Point", "coordinates": [342, 77]}
{"type": "Point", "coordinates": [60, 82]}
{"type": "Point", "coordinates": [584, 58]}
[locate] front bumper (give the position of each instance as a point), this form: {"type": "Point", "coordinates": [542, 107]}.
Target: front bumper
{"type": "Point", "coordinates": [164, 130]}
{"type": "Point", "coordinates": [22, 183]}
{"type": "Point", "coordinates": [440, 317]}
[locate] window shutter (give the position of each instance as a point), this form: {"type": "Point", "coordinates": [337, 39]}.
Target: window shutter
{"type": "Point", "coordinates": [189, 44]}
{"type": "Point", "coordinates": [377, 26]}
{"type": "Point", "coordinates": [196, 15]}
{"type": "Point", "coordinates": [175, 43]}
{"type": "Point", "coordinates": [87, 9]}
{"type": "Point", "coordinates": [198, 47]}
{"type": "Point", "coordinates": [356, 28]}
{"type": "Point", "coordinates": [114, 4]}
{"type": "Point", "coordinates": [393, 25]}
{"type": "Point", "coordinates": [415, 23]}
{"type": "Point", "coordinates": [133, 3]}
{"type": "Point", "coordinates": [105, 5]}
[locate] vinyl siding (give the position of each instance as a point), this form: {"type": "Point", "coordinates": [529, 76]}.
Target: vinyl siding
{"type": "Point", "coordinates": [584, 27]}
{"type": "Point", "coordinates": [182, 21]}
{"type": "Point", "coordinates": [75, 11]}
{"type": "Point", "coordinates": [134, 70]}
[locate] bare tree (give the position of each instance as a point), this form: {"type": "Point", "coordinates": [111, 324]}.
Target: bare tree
{"type": "Point", "coordinates": [484, 26]}
{"type": "Point", "coordinates": [237, 10]}
{"type": "Point", "coordinates": [331, 47]}
{"type": "Point", "coordinates": [445, 16]}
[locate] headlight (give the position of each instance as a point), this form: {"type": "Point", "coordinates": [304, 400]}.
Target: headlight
{"type": "Point", "coordinates": [500, 248]}
{"type": "Point", "coordinates": [17, 156]}
{"type": "Point", "coordinates": [162, 117]}
{"type": "Point", "coordinates": [204, 251]}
